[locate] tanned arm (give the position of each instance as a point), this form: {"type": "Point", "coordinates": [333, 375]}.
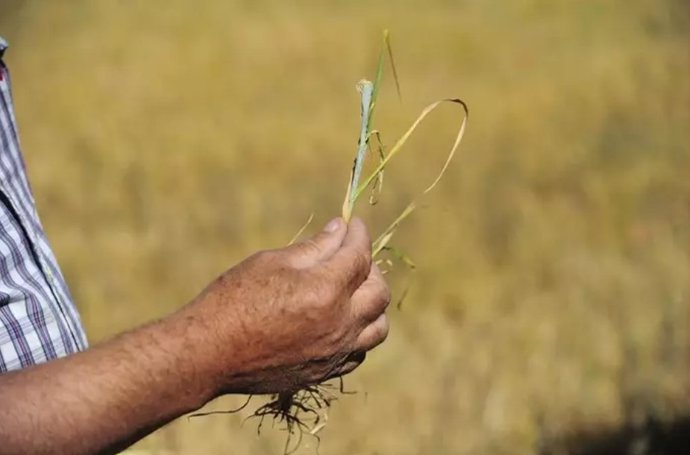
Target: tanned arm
{"type": "Point", "coordinates": [280, 320]}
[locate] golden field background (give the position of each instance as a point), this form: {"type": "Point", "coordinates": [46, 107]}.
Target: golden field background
{"type": "Point", "coordinates": [167, 140]}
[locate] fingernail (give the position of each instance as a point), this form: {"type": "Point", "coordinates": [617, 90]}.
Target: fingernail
{"type": "Point", "coordinates": [333, 225]}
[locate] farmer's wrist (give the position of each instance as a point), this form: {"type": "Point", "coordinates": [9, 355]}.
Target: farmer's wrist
{"type": "Point", "coordinates": [198, 357]}
{"type": "Point", "coordinates": [219, 354]}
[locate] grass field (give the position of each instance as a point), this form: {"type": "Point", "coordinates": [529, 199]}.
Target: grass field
{"type": "Point", "coordinates": [167, 140]}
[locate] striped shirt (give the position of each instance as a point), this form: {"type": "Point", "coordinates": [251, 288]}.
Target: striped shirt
{"type": "Point", "coordinates": [38, 320]}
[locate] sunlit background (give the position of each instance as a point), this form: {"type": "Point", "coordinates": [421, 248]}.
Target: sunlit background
{"type": "Point", "coordinates": [167, 140]}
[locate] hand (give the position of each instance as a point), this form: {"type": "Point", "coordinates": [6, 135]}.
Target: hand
{"type": "Point", "coordinates": [277, 322]}
{"type": "Point", "coordinates": [287, 318]}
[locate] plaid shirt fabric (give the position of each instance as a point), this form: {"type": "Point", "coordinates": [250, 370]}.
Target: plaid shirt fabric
{"type": "Point", "coordinates": [38, 320]}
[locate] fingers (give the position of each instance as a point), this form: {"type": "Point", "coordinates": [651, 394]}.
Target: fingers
{"type": "Point", "coordinates": [352, 361]}
{"type": "Point", "coordinates": [372, 298]}
{"type": "Point", "coordinates": [351, 264]}
{"type": "Point", "coordinates": [320, 247]}
{"type": "Point", "coordinates": [374, 334]}
{"type": "Point", "coordinates": [369, 303]}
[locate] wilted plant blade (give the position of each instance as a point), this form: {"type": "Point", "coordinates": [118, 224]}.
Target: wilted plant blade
{"type": "Point", "coordinates": [382, 241]}
{"type": "Point", "coordinates": [302, 229]}
{"type": "Point", "coordinates": [387, 42]}
{"type": "Point", "coordinates": [402, 257]}
{"type": "Point", "coordinates": [402, 298]}
{"type": "Point", "coordinates": [290, 407]}
{"type": "Point", "coordinates": [377, 187]}
{"type": "Point", "coordinates": [401, 142]}
{"type": "Point", "coordinates": [385, 49]}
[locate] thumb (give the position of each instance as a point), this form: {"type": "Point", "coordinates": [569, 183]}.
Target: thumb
{"type": "Point", "coordinates": [320, 247]}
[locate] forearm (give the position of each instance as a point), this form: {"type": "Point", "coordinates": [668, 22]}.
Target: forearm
{"type": "Point", "coordinates": [107, 397]}
{"type": "Point", "coordinates": [278, 321]}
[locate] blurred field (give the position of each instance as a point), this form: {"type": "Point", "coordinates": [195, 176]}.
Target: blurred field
{"type": "Point", "coordinates": [167, 140]}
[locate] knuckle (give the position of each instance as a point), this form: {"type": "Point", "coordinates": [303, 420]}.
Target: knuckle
{"type": "Point", "coordinates": [383, 329]}
{"type": "Point", "coordinates": [310, 247]}
{"type": "Point", "coordinates": [258, 259]}
{"type": "Point", "coordinates": [383, 294]}
{"type": "Point", "coordinates": [362, 265]}
{"type": "Point", "coordinates": [359, 224]}
{"type": "Point", "coordinates": [266, 257]}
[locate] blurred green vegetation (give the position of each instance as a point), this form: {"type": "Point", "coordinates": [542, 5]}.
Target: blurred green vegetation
{"type": "Point", "coordinates": [167, 140]}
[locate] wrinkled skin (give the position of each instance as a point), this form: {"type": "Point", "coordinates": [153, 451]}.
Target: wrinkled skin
{"type": "Point", "coordinates": [297, 315]}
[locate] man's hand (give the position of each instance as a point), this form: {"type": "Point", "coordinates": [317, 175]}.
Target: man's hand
{"type": "Point", "coordinates": [286, 318]}
{"type": "Point", "coordinates": [278, 321]}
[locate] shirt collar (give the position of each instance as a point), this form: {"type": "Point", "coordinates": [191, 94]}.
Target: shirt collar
{"type": "Point", "coordinates": [3, 45]}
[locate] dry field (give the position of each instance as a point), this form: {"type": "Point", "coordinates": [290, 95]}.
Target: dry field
{"type": "Point", "coordinates": [167, 140]}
